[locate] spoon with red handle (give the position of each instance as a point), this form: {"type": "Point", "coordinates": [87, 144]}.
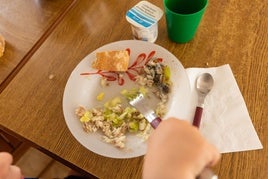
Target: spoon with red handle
{"type": "Point", "coordinates": [204, 84]}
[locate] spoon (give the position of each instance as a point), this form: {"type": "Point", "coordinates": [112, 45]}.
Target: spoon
{"type": "Point", "coordinates": [204, 84]}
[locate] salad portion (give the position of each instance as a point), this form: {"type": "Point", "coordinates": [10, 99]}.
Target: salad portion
{"type": "Point", "coordinates": [114, 121]}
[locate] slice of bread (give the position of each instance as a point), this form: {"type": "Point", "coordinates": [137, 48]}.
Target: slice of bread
{"type": "Point", "coordinates": [116, 60]}
{"type": "Point", "coordinates": [2, 45]}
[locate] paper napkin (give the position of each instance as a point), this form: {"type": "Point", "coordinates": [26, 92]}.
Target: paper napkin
{"type": "Point", "coordinates": [225, 122]}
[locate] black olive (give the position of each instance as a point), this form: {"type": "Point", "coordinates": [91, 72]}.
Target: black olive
{"type": "Point", "coordinates": [165, 88]}
{"type": "Point", "coordinates": [157, 79]}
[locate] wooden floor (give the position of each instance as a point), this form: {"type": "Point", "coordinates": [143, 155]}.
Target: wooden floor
{"type": "Point", "coordinates": [35, 164]}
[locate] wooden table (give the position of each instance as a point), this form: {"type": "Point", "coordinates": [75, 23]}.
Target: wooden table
{"type": "Point", "coordinates": [231, 32]}
{"type": "Point", "coordinates": [25, 25]}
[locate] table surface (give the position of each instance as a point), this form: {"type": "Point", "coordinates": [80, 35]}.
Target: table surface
{"type": "Point", "coordinates": [25, 25]}
{"type": "Point", "coordinates": [231, 32]}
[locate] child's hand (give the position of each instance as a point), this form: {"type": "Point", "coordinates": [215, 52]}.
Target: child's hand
{"type": "Point", "coordinates": [176, 149]}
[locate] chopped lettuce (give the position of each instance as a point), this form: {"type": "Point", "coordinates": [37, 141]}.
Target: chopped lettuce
{"type": "Point", "coordinates": [133, 126]}
{"type": "Point", "coordinates": [131, 94]}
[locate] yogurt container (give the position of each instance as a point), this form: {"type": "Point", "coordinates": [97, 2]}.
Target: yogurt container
{"type": "Point", "coordinates": [143, 18]}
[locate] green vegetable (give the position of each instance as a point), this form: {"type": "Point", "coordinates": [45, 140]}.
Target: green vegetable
{"type": "Point", "coordinates": [117, 121]}
{"type": "Point", "coordinates": [133, 126]}
{"type": "Point", "coordinates": [112, 103]}
{"type": "Point", "coordinates": [167, 74]}
{"type": "Point", "coordinates": [86, 117]}
{"type": "Point", "coordinates": [143, 90]}
{"type": "Point", "coordinates": [131, 94]}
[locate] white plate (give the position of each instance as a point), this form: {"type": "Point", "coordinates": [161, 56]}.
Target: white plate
{"type": "Point", "coordinates": [82, 90]}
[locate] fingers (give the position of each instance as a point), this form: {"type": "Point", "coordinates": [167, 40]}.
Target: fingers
{"type": "Point", "coordinates": [212, 152]}
{"type": "Point", "coordinates": [208, 156]}
{"type": "Point", "coordinates": [5, 161]}
{"type": "Point", "coordinates": [176, 145]}
{"type": "Point", "coordinates": [215, 156]}
{"type": "Point", "coordinates": [14, 172]}
{"type": "Point", "coordinates": [8, 171]}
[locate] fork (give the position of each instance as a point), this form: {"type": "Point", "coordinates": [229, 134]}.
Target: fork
{"type": "Point", "coordinates": [140, 104]}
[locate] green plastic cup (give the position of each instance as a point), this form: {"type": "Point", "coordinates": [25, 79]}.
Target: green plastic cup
{"type": "Point", "coordinates": [183, 18]}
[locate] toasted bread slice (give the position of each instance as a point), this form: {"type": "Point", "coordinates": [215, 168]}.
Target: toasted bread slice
{"type": "Point", "coordinates": [2, 45]}
{"type": "Point", "coordinates": [116, 60]}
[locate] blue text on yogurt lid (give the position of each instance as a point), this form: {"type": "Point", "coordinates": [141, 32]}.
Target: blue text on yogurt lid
{"type": "Point", "coordinates": [144, 14]}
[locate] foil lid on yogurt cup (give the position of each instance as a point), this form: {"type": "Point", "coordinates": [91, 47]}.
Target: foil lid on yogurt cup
{"type": "Point", "coordinates": [143, 18]}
